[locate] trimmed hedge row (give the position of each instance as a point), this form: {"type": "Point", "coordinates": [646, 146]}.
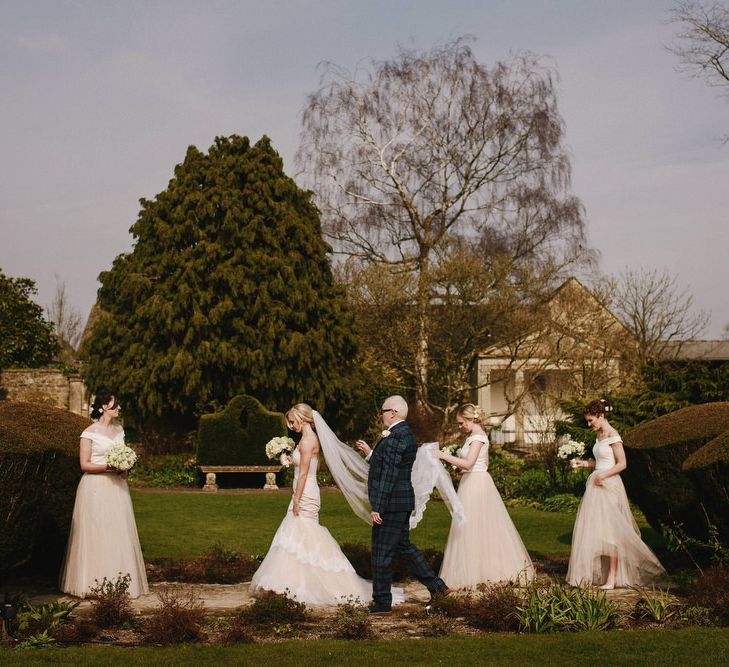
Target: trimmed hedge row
{"type": "Point", "coordinates": [39, 473]}
{"type": "Point", "coordinates": [676, 470]}
{"type": "Point", "coordinates": [237, 435]}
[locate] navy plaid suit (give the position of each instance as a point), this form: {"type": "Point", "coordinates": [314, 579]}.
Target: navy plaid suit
{"type": "Point", "coordinates": [391, 496]}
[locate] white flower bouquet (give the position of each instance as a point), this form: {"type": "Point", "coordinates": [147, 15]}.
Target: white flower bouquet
{"type": "Point", "coordinates": [569, 449]}
{"type": "Point", "coordinates": [276, 448]}
{"type": "Point", "coordinates": [121, 457]}
{"type": "Point", "coordinates": [453, 451]}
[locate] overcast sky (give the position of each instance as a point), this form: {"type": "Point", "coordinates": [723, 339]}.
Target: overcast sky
{"type": "Point", "coordinates": [99, 100]}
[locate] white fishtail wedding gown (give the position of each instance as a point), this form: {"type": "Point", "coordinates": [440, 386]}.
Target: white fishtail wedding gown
{"type": "Point", "coordinates": [305, 561]}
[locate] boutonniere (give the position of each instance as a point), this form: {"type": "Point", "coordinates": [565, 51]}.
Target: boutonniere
{"type": "Point", "coordinates": [385, 433]}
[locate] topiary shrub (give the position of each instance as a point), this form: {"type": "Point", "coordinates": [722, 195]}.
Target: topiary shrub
{"type": "Point", "coordinates": [678, 469]}
{"type": "Point", "coordinates": [236, 436]}
{"type": "Point", "coordinates": [39, 473]}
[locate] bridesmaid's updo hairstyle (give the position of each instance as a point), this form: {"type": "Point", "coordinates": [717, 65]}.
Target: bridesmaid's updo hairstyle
{"type": "Point", "coordinates": [599, 408]}
{"type": "Point", "coordinates": [303, 412]}
{"type": "Point", "coordinates": [471, 412]}
{"type": "Point", "coordinates": [101, 399]}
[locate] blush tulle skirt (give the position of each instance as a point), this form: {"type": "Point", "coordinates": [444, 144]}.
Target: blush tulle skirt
{"type": "Point", "coordinates": [103, 541]}
{"type": "Point", "coordinates": [487, 548]}
{"type": "Point", "coordinates": [605, 527]}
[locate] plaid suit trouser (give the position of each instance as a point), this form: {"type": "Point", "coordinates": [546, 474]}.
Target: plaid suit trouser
{"type": "Point", "coordinates": [389, 538]}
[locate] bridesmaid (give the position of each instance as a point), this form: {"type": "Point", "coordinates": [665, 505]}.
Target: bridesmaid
{"type": "Point", "coordinates": [103, 541]}
{"type": "Point", "coordinates": [487, 548]}
{"type": "Point", "coordinates": [607, 549]}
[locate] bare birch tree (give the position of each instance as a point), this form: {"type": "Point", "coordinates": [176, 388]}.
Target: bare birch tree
{"type": "Point", "coordinates": [658, 313]}
{"type": "Point", "coordinates": [702, 43]}
{"type": "Point", "coordinates": [430, 147]}
{"type": "Point", "coordinates": [67, 322]}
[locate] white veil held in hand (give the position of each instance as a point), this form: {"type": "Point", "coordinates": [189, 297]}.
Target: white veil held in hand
{"type": "Point", "coordinates": [428, 474]}
{"type": "Point", "coordinates": [350, 471]}
{"type": "Point", "coordinates": [348, 468]}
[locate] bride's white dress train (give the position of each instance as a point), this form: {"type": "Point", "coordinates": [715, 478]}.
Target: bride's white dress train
{"type": "Point", "coordinates": [305, 561]}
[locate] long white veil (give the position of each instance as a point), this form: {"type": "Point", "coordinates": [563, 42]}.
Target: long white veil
{"type": "Point", "coordinates": [350, 471]}
{"type": "Point", "coordinates": [428, 474]}
{"type": "Point", "coordinates": [347, 467]}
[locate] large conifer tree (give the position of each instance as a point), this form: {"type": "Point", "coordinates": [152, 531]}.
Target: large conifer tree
{"type": "Point", "coordinates": [228, 289]}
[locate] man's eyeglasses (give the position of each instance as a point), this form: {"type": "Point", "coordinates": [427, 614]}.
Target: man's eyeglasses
{"type": "Point", "coordinates": [384, 410]}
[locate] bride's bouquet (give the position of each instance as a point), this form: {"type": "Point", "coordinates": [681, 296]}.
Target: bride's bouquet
{"type": "Point", "coordinates": [276, 447]}
{"type": "Point", "coordinates": [453, 451]}
{"type": "Point", "coordinates": [569, 449]}
{"type": "Point", "coordinates": [121, 457]}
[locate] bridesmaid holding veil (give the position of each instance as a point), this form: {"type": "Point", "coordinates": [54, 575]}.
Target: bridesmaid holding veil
{"type": "Point", "coordinates": [607, 549]}
{"type": "Point", "coordinates": [487, 547]}
{"type": "Point", "coordinates": [103, 541]}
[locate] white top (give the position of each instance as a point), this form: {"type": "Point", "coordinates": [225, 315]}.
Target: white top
{"type": "Point", "coordinates": [603, 452]}
{"type": "Point", "coordinates": [100, 444]}
{"type": "Point", "coordinates": [482, 460]}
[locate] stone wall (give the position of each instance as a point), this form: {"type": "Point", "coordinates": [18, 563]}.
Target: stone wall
{"type": "Point", "coordinates": [46, 385]}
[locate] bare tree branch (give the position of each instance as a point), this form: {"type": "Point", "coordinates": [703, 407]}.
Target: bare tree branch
{"type": "Point", "coordinates": [702, 43]}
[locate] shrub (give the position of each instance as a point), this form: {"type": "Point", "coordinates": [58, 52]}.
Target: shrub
{"type": "Point", "coordinates": [657, 480]}
{"type": "Point", "coordinates": [164, 471]}
{"type": "Point", "coordinates": [39, 473]}
{"type": "Point", "coordinates": [694, 616]}
{"type": "Point", "coordinates": [275, 609]}
{"type": "Point", "coordinates": [352, 621]}
{"type": "Point", "coordinates": [218, 566]}
{"type": "Point", "coordinates": [179, 618]}
{"type": "Point", "coordinates": [556, 607]}
{"type": "Point", "coordinates": [711, 590]}
{"type": "Point", "coordinates": [237, 435]}
{"type": "Point", "coordinates": [78, 631]}
{"type": "Point", "coordinates": [438, 624]}
{"type": "Point", "coordinates": [492, 607]}
{"type": "Point", "coordinates": [34, 620]}
{"type": "Point", "coordinates": [236, 632]}
{"type": "Point", "coordinates": [111, 605]}
{"type": "Point", "coordinates": [562, 502]}
{"type": "Point", "coordinates": [654, 605]}
{"type": "Point", "coordinates": [505, 470]}
{"type": "Point", "coordinates": [533, 483]}
{"type": "Point", "coordinates": [38, 640]}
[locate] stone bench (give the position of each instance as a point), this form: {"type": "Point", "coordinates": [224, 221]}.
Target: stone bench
{"type": "Point", "coordinates": [212, 471]}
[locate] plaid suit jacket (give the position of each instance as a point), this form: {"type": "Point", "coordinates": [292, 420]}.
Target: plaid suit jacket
{"type": "Point", "coordinates": [388, 484]}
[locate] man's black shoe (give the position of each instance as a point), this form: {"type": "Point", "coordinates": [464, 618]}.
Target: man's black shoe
{"type": "Point", "coordinates": [381, 611]}
{"type": "Point", "coordinates": [439, 595]}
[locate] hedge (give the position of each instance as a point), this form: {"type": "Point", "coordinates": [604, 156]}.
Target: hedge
{"type": "Point", "coordinates": [237, 435]}
{"type": "Point", "coordinates": [39, 473]}
{"type": "Point", "coordinates": [675, 472]}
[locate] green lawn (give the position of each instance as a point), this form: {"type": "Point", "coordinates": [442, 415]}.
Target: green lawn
{"type": "Point", "coordinates": [698, 646]}
{"type": "Point", "coordinates": [186, 525]}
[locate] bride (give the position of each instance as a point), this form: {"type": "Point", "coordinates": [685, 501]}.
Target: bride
{"type": "Point", "coordinates": [304, 560]}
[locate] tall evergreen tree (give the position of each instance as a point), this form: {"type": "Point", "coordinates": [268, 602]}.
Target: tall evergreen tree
{"type": "Point", "coordinates": [26, 338]}
{"type": "Point", "coordinates": [228, 289]}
